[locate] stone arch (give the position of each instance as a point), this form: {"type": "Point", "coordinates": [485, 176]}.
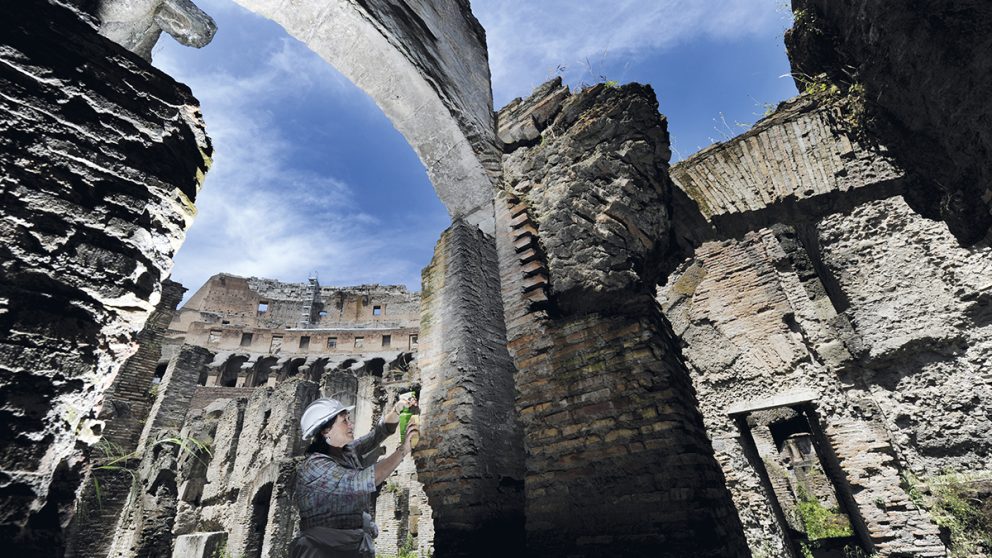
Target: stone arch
{"type": "Point", "coordinates": [316, 370]}
{"type": "Point", "coordinates": [231, 370]}
{"type": "Point", "coordinates": [290, 368]}
{"type": "Point", "coordinates": [258, 521]}
{"type": "Point", "coordinates": [426, 66]}
{"type": "Point", "coordinates": [374, 366]}
{"type": "Point", "coordinates": [261, 371]}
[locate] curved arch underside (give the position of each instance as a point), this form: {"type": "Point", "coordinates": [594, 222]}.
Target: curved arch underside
{"type": "Point", "coordinates": [425, 64]}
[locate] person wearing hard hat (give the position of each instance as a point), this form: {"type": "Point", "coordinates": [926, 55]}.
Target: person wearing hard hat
{"type": "Point", "coordinates": [334, 488]}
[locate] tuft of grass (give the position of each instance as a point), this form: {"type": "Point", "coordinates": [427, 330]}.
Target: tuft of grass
{"type": "Point", "coordinates": [954, 502]}
{"type": "Point", "coordinates": [188, 445]}
{"type": "Point", "coordinates": [819, 521]}
{"type": "Point", "coordinates": [407, 550]}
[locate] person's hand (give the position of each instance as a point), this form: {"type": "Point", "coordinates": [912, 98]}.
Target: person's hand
{"type": "Point", "coordinates": [404, 403]}
{"type": "Point", "coordinates": [410, 431]}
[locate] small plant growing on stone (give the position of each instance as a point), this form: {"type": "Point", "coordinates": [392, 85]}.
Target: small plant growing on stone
{"type": "Point", "coordinates": [954, 503]}
{"type": "Point", "coordinates": [851, 551]}
{"type": "Point", "coordinates": [409, 548]}
{"type": "Point", "coordinates": [223, 552]}
{"type": "Point", "coordinates": [187, 445]}
{"type": "Point", "coordinates": [820, 522]}
{"type": "Point", "coordinates": [113, 459]}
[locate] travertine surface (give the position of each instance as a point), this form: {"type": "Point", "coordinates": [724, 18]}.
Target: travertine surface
{"type": "Point", "coordinates": [137, 24]}
{"type": "Point", "coordinates": [876, 321]}
{"type": "Point", "coordinates": [426, 65]}
{"type": "Point", "coordinates": [926, 78]}
{"type": "Point", "coordinates": [101, 157]}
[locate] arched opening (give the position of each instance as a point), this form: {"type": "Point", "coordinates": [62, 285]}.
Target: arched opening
{"type": "Point", "coordinates": [258, 521]}
{"type": "Point", "coordinates": [290, 368]}
{"type": "Point", "coordinates": [231, 371]}
{"type": "Point", "coordinates": [159, 373]}
{"type": "Point", "coordinates": [316, 370]}
{"type": "Point", "coordinates": [260, 372]}
{"type": "Point", "coordinates": [374, 367]}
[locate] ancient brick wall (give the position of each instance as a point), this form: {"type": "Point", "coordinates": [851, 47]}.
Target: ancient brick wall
{"type": "Point", "coordinates": [875, 319]}
{"type": "Point", "coordinates": [924, 80]}
{"type": "Point", "coordinates": [472, 458]}
{"type": "Point", "coordinates": [101, 159]}
{"type": "Point", "coordinates": [125, 410]}
{"type": "Point", "coordinates": [921, 307]}
{"type": "Point", "coordinates": [800, 163]}
{"type": "Point", "coordinates": [618, 461]}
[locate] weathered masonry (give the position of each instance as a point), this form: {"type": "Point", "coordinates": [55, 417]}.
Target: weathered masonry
{"type": "Point", "coordinates": [771, 348]}
{"type": "Point", "coordinates": [202, 423]}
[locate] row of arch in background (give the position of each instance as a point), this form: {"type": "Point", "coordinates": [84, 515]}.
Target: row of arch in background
{"type": "Point", "coordinates": [240, 370]}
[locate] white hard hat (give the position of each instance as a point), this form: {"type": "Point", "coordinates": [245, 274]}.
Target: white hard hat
{"type": "Point", "coordinates": [319, 413]}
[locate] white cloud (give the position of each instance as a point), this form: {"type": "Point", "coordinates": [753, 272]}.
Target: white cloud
{"type": "Point", "coordinates": [259, 212]}
{"type": "Point", "coordinates": [529, 41]}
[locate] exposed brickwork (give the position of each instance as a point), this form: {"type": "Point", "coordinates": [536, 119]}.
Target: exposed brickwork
{"type": "Point", "coordinates": [618, 461]}
{"type": "Point", "coordinates": [758, 323]}
{"type": "Point", "coordinates": [471, 456]}
{"type": "Point", "coordinates": [798, 164]}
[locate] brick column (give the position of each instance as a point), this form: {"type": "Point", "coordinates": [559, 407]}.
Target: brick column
{"type": "Point", "coordinates": [471, 457]}
{"type": "Point", "coordinates": [618, 461]}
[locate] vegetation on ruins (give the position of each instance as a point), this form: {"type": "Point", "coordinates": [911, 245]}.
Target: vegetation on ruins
{"type": "Point", "coordinates": [819, 521]}
{"type": "Point", "coordinates": [407, 550]}
{"type": "Point", "coordinates": [955, 503]}
{"type": "Point", "coordinates": [223, 552]}
{"type": "Point", "coordinates": [113, 459]}
{"type": "Point", "coordinates": [188, 445]}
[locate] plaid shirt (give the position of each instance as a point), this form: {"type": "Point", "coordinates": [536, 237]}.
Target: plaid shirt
{"type": "Point", "coordinates": [333, 491]}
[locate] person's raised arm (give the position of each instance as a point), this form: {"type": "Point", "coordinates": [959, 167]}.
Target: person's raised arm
{"type": "Point", "coordinates": [383, 429]}
{"type": "Point", "coordinates": [388, 464]}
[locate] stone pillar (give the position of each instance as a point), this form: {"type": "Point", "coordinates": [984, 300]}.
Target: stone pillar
{"type": "Point", "coordinates": [125, 410]}
{"type": "Point", "coordinates": [471, 457]}
{"type": "Point", "coordinates": [618, 462]}
{"type": "Point", "coordinates": [101, 156]}
{"type": "Point", "coordinates": [175, 392]}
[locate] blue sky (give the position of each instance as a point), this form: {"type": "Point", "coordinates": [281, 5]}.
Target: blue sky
{"type": "Point", "coordinates": [309, 175]}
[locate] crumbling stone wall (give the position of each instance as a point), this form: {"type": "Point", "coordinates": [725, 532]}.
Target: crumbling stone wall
{"type": "Point", "coordinates": [869, 318]}
{"type": "Point", "coordinates": [919, 304]}
{"type": "Point", "coordinates": [102, 156]}
{"type": "Point", "coordinates": [125, 410]}
{"type": "Point", "coordinates": [617, 457]}
{"type": "Point", "coordinates": [221, 460]}
{"type": "Point", "coordinates": [921, 71]}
